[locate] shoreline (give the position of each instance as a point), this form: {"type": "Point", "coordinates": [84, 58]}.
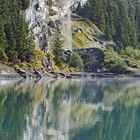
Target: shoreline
{"type": "Point", "coordinates": [78, 75]}
{"type": "Point", "coordinates": [102, 75]}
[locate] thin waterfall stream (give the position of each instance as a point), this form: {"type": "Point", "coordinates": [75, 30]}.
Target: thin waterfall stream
{"type": "Point", "coordinates": [67, 31]}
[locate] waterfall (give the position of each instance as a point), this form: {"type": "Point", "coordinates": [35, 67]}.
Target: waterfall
{"type": "Point", "coordinates": [65, 16]}
{"type": "Point", "coordinates": [67, 31]}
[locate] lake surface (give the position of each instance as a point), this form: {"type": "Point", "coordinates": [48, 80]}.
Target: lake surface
{"type": "Point", "coordinates": [99, 109]}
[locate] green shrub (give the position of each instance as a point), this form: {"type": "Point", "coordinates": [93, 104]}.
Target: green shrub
{"type": "Point", "coordinates": [3, 56]}
{"type": "Point", "coordinates": [119, 67]}
{"type": "Point", "coordinates": [57, 47]}
{"type": "Point", "coordinates": [114, 63]}
{"type": "Point", "coordinates": [131, 52]}
{"type": "Point", "coordinates": [76, 61]}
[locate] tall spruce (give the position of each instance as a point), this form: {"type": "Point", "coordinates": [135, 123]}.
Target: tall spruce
{"type": "Point", "coordinates": [119, 19]}
{"type": "Point", "coordinates": [14, 38]}
{"type": "Point", "coordinates": [57, 47]}
{"type": "Point", "coordinates": [3, 41]}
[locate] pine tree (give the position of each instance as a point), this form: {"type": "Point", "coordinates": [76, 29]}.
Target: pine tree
{"type": "Point", "coordinates": [23, 4]}
{"type": "Point", "coordinates": [119, 19]}
{"type": "Point", "coordinates": [57, 47]}
{"type": "Point", "coordinates": [3, 41]}
{"type": "Point", "coordinates": [14, 30]}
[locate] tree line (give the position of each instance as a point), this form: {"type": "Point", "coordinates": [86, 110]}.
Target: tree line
{"type": "Point", "coordinates": [15, 44]}
{"type": "Point", "coordinates": [119, 20]}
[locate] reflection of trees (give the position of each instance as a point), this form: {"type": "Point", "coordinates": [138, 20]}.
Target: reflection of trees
{"type": "Point", "coordinates": [64, 105]}
{"type": "Point", "coordinates": [61, 94]}
{"type": "Point", "coordinates": [125, 91]}
{"type": "Point", "coordinates": [121, 124]}
{"type": "Point", "coordinates": [66, 89]}
{"type": "Point", "coordinates": [92, 92]}
{"type": "Point", "coordinates": [13, 108]}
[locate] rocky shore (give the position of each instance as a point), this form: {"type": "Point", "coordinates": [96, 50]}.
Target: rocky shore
{"type": "Point", "coordinates": [35, 74]}
{"type": "Point", "coordinates": [7, 72]}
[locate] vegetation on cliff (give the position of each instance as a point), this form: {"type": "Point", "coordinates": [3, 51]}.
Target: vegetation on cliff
{"type": "Point", "coordinates": [62, 60]}
{"type": "Point", "coordinates": [113, 26]}
{"type": "Point", "coordinates": [15, 44]}
{"type": "Point", "coordinates": [119, 20]}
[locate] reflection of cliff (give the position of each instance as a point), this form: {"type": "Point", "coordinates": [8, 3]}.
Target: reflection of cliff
{"type": "Point", "coordinates": [67, 109]}
{"type": "Point", "coordinates": [51, 117]}
{"type": "Point", "coordinates": [74, 106]}
{"type": "Point", "coordinates": [13, 106]}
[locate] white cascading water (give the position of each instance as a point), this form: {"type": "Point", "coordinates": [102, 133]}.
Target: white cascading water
{"type": "Point", "coordinates": [65, 17]}
{"type": "Point", "coordinates": [65, 6]}
{"type": "Point", "coordinates": [67, 25]}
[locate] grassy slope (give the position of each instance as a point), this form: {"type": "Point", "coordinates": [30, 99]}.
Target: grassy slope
{"type": "Point", "coordinates": [89, 36]}
{"type": "Point", "coordinates": [85, 37]}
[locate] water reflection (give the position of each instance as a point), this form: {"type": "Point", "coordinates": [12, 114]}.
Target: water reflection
{"type": "Point", "coordinates": [100, 109]}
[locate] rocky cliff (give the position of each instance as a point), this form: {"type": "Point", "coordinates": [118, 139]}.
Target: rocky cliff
{"type": "Point", "coordinates": [77, 27]}
{"type": "Point", "coordinates": [42, 12]}
{"type": "Point", "coordinates": [43, 16]}
{"type": "Point", "coordinates": [82, 24]}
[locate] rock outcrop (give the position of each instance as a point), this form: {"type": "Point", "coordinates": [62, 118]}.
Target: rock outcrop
{"type": "Point", "coordinates": [36, 16]}
{"type": "Point", "coordinates": [93, 58]}
{"type": "Point", "coordinates": [43, 16]}
{"type": "Point", "coordinates": [39, 16]}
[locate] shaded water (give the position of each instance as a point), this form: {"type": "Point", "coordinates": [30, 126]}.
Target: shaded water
{"type": "Point", "coordinates": [100, 109]}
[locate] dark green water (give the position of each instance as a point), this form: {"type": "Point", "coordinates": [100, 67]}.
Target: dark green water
{"type": "Point", "coordinates": [100, 109]}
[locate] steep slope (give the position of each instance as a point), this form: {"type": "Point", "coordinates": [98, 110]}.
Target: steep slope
{"type": "Point", "coordinates": [86, 34]}
{"type": "Point", "coordinates": [118, 19]}
{"type": "Point", "coordinates": [82, 24]}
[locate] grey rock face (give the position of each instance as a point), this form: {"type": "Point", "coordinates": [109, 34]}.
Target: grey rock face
{"type": "Point", "coordinates": [93, 58]}
{"type": "Point", "coordinates": [38, 17]}
{"type": "Point", "coordinates": [37, 13]}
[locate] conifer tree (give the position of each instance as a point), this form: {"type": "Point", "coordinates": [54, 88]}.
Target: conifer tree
{"type": "Point", "coordinates": [119, 19]}
{"type": "Point", "coordinates": [14, 30]}
{"type": "Point", "coordinates": [3, 41]}
{"type": "Point", "coordinates": [57, 47]}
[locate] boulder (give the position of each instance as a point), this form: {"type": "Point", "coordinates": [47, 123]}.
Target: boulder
{"type": "Point", "coordinates": [93, 58]}
{"type": "Point", "coordinates": [38, 73]}
{"type": "Point", "coordinates": [21, 72]}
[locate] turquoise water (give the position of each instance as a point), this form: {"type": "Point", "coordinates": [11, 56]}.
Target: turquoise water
{"type": "Point", "coordinates": [100, 109]}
